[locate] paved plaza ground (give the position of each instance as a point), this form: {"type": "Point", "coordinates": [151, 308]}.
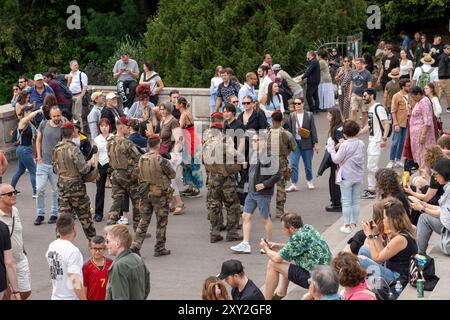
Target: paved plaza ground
{"type": "Point", "coordinates": [181, 274]}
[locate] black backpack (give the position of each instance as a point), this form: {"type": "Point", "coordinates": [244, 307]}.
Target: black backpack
{"type": "Point", "coordinates": [389, 116]}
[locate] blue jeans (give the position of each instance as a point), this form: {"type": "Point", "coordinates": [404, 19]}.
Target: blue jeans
{"type": "Point", "coordinates": [350, 199]}
{"type": "Point", "coordinates": [307, 156]}
{"type": "Point", "coordinates": [398, 140]}
{"type": "Point", "coordinates": [367, 263]}
{"type": "Point", "coordinates": [25, 159]}
{"type": "Point", "coordinates": [43, 174]}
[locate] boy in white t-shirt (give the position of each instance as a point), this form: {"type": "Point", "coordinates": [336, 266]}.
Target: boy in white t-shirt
{"type": "Point", "coordinates": [66, 262]}
{"type": "Point", "coordinates": [378, 128]}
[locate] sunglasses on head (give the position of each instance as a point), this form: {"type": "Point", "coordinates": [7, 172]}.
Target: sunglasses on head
{"type": "Point", "coordinates": [10, 194]}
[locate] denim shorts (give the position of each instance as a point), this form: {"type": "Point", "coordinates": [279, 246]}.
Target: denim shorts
{"type": "Point", "coordinates": [258, 200]}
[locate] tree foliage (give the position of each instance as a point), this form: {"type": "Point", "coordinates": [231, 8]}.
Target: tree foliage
{"type": "Point", "coordinates": [186, 40]}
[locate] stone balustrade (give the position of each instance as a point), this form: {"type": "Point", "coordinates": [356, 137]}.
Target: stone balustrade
{"type": "Point", "coordinates": [197, 97]}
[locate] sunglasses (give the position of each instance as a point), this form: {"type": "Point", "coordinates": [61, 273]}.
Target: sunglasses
{"type": "Point", "coordinates": [10, 194]}
{"type": "Point", "coordinates": [97, 249]}
{"type": "Point", "coordinates": [235, 101]}
{"type": "Point", "coordinates": [244, 103]}
{"type": "Point", "coordinates": [16, 89]}
{"type": "Point", "coordinates": [298, 103]}
{"type": "Point", "coordinates": [346, 61]}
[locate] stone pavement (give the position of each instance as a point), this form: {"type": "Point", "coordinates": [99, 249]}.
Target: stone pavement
{"type": "Point", "coordinates": [181, 274]}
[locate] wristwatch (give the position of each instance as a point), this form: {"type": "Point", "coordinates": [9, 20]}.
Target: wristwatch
{"type": "Point", "coordinates": [371, 236]}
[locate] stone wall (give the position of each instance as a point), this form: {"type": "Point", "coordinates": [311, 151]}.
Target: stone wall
{"type": "Point", "coordinates": [198, 97]}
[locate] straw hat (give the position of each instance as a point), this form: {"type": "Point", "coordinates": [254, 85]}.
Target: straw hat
{"type": "Point", "coordinates": [395, 73]}
{"type": "Point", "coordinates": [427, 59]}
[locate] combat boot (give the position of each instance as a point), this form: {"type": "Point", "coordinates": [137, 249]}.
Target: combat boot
{"type": "Point", "coordinates": [163, 252]}
{"type": "Point", "coordinates": [234, 237]}
{"type": "Point", "coordinates": [217, 238]}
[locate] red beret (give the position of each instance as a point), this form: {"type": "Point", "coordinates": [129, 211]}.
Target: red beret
{"type": "Point", "coordinates": [67, 125]}
{"type": "Point", "coordinates": [216, 115]}
{"type": "Point", "coordinates": [218, 125]}
{"type": "Point", "coordinates": [276, 111]}
{"type": "Point", "coordinates": [154, 136]}
{"type": "Point", "coordinates": [123, 120]}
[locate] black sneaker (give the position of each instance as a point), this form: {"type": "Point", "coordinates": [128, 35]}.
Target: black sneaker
{"type": "Point", "coordinates": [367, 194]}
{"type": "Point", "coordinates": [98, 218]}
{"type": "Point", "coordinates": [38, 220]}
{"type": "Point", "coordinates": [448, 109]}
{"type": "Point", "coordinates": [52, 220]}
{"type": "Point", "coordinates": [332, 208]}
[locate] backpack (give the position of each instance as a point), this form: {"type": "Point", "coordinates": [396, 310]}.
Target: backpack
{"type": "Point", "coordinates": [66, 91]}
{"type": "Point", "coordinates": [422, 267]}
{"type": "Point", "coordinates": [425, 78]}
{"type": "Point", "coordinates": [389, 118]}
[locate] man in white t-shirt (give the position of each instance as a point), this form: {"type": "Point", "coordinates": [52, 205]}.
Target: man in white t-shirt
{"type": "Point", "coordinates": [10, 216]}
{"type": "Point", "coordinates": [66, 262]}
{"type": "Point", "coordinates": [78, 85]}
{"type": "Point", "coordinates": [264, 81]}
{"type": "Point", "coordinates": [378, 128]}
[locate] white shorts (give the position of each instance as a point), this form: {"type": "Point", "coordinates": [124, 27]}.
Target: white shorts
{"type": "Point", "coordinates": [23, 275]}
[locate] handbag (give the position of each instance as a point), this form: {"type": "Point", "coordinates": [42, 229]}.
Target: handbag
{"type": "Point", "coordinates": [302, 132]}
{"type": "Point", "coordinates": [445, 241]}
{"type": "Point", "coordinates": [325, 163]}
{"type": "Point", "coordinates": [422, 267]}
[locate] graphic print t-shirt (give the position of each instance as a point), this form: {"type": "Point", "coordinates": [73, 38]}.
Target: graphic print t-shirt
{"type": "Point", "coordinates": [64, 258]}
{"type": "Point", "coordinates": [96, 279]}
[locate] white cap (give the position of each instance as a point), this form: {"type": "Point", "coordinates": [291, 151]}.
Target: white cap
{"type": "Point", "coordinates": [38, 76]}
{"type": "Point", "coordinates": [111, 95]}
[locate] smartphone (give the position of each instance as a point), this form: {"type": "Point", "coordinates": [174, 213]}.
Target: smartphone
{"type": "Point", "coordinates": [262, 239]}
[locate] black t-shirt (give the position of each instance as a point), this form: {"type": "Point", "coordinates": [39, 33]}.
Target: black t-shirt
{"type": "Point", "coordinates": [440, 191]}
{"type": "Point", "coordinates": [27, 136]}
{"type": "Point", "coordinates": [388, 65]}
{"type": "Point", "coordinates": [250, 292]}
{"type": "Point", "coordinates": [176, 113]}
{"type": "Point", "coordinates": [235, 125]}
{"type": "Point", "coordinates": [5, 244]}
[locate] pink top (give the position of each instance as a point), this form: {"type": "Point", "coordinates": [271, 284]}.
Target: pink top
{"type": "Point", "coordinates": [360, 292]}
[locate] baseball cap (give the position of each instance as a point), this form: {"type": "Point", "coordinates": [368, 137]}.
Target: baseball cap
{"type": "Point", "coordinates": [276, 67]}
{"type": "Point", "coordinates": [110, 96]}
{"type": "Point", "coordinates": [229, 268]}
{"type": "Point", "coordinates": [67, 125]}
{"type": "Point", "coordinates": [96, 94]}
{"type": "Point", "coordinates": [38, 76]}
{"type": "Point", "coordinates": [122, 120]}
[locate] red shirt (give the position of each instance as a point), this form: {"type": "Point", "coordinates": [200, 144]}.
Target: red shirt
{"type": "Point", "coordinates": [95, 280]}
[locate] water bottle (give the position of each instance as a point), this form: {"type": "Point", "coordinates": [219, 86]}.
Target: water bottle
{"type": "Point", "coordinates": [398, 288]}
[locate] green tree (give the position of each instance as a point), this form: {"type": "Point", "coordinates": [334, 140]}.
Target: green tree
{"type": "Point", "coordinates": [186, 40]}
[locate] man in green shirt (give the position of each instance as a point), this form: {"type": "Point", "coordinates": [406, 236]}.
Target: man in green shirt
{"type": "Point", "coordinates": [128, 276]}
{"type": "Point", "coordinates": [294, 260]}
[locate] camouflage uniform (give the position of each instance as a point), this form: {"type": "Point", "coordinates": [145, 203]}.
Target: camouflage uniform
{"type": "Point", "coordinates": [123, 158]}
{"type": "Point", "coordinates": [286, 144]}
{"type": "Point", "coordinates": [154, 172]}
{"type": "Point", "coordinates": [221, 185]}
{"type": "Point", "coordinates": [70, 166]}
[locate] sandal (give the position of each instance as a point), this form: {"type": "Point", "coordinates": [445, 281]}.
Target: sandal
{"type": "Point", "coordinates": [179, 209]}
{"type": "Point", "coordinates": [277, 297]}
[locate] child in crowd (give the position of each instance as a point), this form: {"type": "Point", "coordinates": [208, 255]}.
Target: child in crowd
{"type": "Point", "coordinates": [95, 271]}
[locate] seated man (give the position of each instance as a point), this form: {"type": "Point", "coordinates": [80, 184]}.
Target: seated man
{"type": "Point", "coordinates": [306, 248]}
{"type": "Point", "coordinates": [323, 284]}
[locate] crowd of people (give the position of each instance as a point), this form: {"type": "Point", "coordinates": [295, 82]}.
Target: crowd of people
{"type": "Point", "coordinates": [143, 147]}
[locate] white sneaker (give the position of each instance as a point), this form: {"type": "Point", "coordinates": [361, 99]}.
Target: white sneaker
{"type": "Point", "coordinates": [123, 220]}
{"type": "Point", "coordinates": [310, 185]}
{"type": "Point", "coordinates": [390, 165]}
{"type": "Point", "coordinates": [399, 164]}
{"type": "Point", "coordinates": [345, 229]}
{"type": "Point", "coordinates": [243, 247]}
{"type": "Point", "coordinates": [292, 188]}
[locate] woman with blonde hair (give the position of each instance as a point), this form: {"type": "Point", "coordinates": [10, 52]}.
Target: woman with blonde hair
{"type": "Point", "coordinates": [214, 289]}
{"type": "Point", "coordinates": [393, 259]}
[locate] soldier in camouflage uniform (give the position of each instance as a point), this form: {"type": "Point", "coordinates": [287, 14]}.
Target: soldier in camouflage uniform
{"type": "Point", "coordinates": [72, 170]}
{"type": "Point", "coordinates": [123, 159]}
{"type": "Point", "coordinates": [221, 185]}
{"type": "Point", "coordinates": [282, 145]}
{"type": "Point", "coordinates": [155, 174]}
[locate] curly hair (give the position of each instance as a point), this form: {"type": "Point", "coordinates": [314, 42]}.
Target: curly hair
{"type": "Point", "coordinates": [388, 182]}
{"type": "Point", "coordinates": [349, 270]}
{"type": "Point", "coordinates": [432, 153]}
{"type": "Point", "coordinates": [211, 286]}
